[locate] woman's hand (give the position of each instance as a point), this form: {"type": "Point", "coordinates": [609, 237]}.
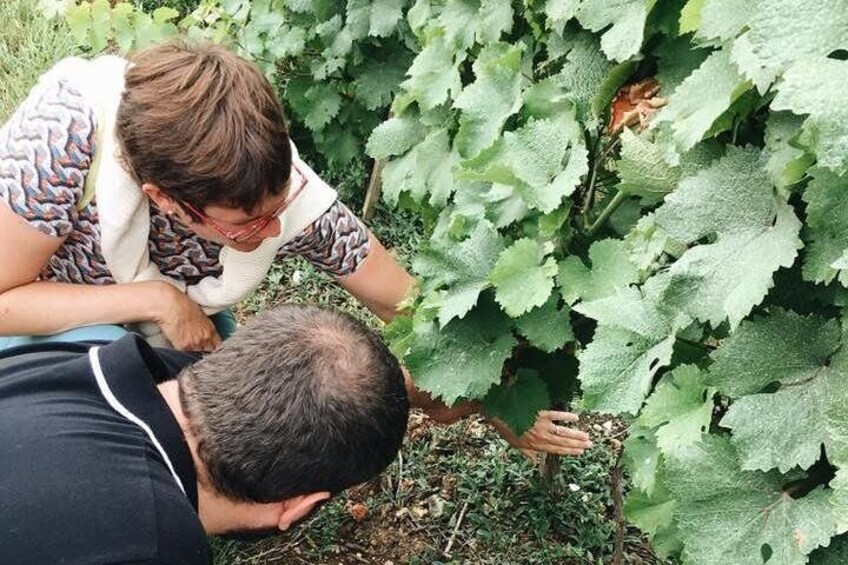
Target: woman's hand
{"type": "Point", "coordinates": [548, 435]}
{"type": "Point", "coordinates": [184, 323]}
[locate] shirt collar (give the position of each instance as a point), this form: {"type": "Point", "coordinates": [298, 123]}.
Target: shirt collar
{"type": "Point", "coordinates": [132, 370]}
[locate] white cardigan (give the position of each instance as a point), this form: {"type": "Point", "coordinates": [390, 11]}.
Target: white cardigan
{"type": "Point", "coordinates": [123, 208]}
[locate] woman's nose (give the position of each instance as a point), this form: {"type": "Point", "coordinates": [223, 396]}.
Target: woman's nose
{"type": "Point", "coordinates": [271, 230]}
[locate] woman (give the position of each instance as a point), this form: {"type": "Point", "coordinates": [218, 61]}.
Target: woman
{"type": "Point", "coordinates": [159, 192]}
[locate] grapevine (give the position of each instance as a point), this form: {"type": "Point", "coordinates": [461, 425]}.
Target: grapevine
{"type": "Point", "coordinates": [645, 201]}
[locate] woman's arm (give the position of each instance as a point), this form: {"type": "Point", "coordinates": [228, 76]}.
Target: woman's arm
{"type": "Point", "coordinates": [30, 307]}
{"type": "Point", "coordinates": [381, 283]}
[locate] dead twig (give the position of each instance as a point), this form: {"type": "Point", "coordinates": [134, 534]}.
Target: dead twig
{"type": "Point", "coordinates": [452, 539]}
{"type": "Point", "coordinates": [374, 191]}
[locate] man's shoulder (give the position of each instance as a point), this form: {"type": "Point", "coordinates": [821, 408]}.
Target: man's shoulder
{"type": "Point", "coordinates": [126, 508]}
{"type": "Point", "coordinates": [86, 483]}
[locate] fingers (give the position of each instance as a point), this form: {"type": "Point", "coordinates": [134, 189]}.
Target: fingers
{"type": "Point", "coordinates": [558, 416]}
{"type": "Point", "coordinates": [559, 432]}
{"type": "Point", "coordinates": [566, 451]}
{"type": "Point", "coordinates": [532, 455]}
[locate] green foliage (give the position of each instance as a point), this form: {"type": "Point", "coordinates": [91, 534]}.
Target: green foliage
{"type": "Point", "coordinates": [721, 193]}
{"type": "Point", "coordinates": [701, 257]}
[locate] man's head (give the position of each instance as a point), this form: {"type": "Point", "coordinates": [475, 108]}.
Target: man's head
{"type": "Point", "coordinates": [201, 129]}
{"type": "Point", "coordinates": [302, 400]}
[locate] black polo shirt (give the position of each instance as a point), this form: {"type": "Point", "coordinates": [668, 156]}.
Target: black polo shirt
{"type": "Point", "coordinates": [94, 468]}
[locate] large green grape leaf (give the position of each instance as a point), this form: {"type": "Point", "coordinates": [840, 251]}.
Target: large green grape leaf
{"type": "Point", "coordinates": [377, 81]}
{"type": "Point", "coordinates": [498, 203]}
{"type": "Point", "coordinates": [726, 515]}
{"type": "Point", "coordinates": [834, 554]}
{"type": "Point", "coordinates": [642, 459]}
{"type": "Point", "coordinates": [122, 26]}
{"type": "Point", "coordinates": [518, 403]}
{"type": "Point", "coordinates": [395, 136]}
{"type": "Point", "coordinates": [676, 60]}
{"type": "Point", "coordinates": [464, 359]}
{"type": "Point", "coordinates": [434, 75]}
{"type": "Point", "coordinates": [643, 170]}
{"type": "Point", "coordinates": [726, 279]}
{"type": "Point", "coordinates": [837, 427]}
{"type": "Point", "coordinates": [786, 162]}
{"type": "Point", "coordinates": [531, 160]}
{"type": "Point", "coordinates": [839, 501]}
{"type": "Point", "coordinates": [458, 20]}
{"type": "Point", "coordinates": [633, 340]}
{"type": "Point", "coordinates": [680, 408]}
{"type": "Point", "coordinates": [646, 243]}
{"type": "Point", "coordinates": [782, 348]}
{"type": "Point", "coordinates": [486, 103]}
{"type": "Point", "coordinates": [494, 19]}
{"type": "Point", "coordinates": [788, 427]}
{"type": "Point", "coordinates": [425, 169]}
{"type": "Point", "coordinates": [624, 22]}
{"type": "Point", "coordinates": [755, 234]}
{"type": "Point", "coordinates": [546, 99]}
{"type": "Point", "coordinates": [321, 103]}
{"type": "Point", "coordinates": [384, 16]}
{"type": "Point", "coordinates": [101, 26]}
{"type": "Point", "coordinates": [523, 277]}
{"type": "Point", "coordinates": [468, 21]}
{"type": "Point", "coordinates": [461, 270]}
{"type": "Point", "coordinates": [547, 327]}
{"type": "Point", "coordinates": [781, 33]}
{"type": "Point", "coordinates": [589, 79]}
{"type": "Point", "coordinates": [700, 99]}
{"type": "Point", "coordinates": [827, 227]}
{"type": "Point", "coordinates": [651, 514]}
{"type": "Point", "coordinates": [611, 270]}
{"type": "Point", "coordinates": [802, 90]}
{"type": "Point", "coordinates": [723, 20]}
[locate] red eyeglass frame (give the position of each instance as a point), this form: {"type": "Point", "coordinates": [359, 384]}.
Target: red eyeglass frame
{"type": "Point", "coordinates": [254, 226]}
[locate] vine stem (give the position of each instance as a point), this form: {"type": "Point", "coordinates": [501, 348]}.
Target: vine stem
{"type": "Point", "coordinates": [593, 177]}
{"type": "Point", "coordinates": [618, 505]}
{"type": "Point", "coordinates": [607, 212]}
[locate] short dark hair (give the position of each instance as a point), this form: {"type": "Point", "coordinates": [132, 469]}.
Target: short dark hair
{"type": "Point", "coordinates": [301, 400]}
{"type": "Point", "coordinates": [204, 125]}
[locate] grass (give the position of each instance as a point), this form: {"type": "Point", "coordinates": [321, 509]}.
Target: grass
{"type": "Point", "coordinates": [456, 494]}
{"type": "Point", "coordinates": [29, 45]}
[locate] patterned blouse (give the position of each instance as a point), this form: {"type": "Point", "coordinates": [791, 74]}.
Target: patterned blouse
{"type": "Point", "coordinates": [45, 153]}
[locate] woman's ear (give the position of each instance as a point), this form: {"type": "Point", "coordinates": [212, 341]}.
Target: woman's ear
{"type": "Point", "coordinates": [298, 507]}
{"type": "Point", "coordinates": [164, 202]}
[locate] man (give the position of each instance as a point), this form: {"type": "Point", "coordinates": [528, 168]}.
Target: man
{"type": "Point", "coordinates": [105, 458]}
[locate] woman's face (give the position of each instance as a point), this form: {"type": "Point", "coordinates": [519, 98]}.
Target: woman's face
{"type": "Point", "coordinates": [242, 230]}
{"type": "Point", "coordinates": [234, 227]}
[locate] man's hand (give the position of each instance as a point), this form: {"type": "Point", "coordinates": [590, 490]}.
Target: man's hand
{"type": "Point", "coordinates": [548, 435]}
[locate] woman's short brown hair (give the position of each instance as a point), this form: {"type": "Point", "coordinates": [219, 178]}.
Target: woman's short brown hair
{"type": "Point", "coordinates": [204, 125]}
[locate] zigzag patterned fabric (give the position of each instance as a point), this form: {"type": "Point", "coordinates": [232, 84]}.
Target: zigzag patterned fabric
{"type": "Point", "coordinates": [45, 154]}
{"type": "Point", "coordinates": [337, 242]}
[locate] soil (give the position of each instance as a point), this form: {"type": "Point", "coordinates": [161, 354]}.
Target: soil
{"type": "Point", "coordinates": [389, 533]}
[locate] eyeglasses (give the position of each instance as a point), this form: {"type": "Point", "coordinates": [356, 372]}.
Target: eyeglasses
{"type": "Point", "coordinates": [254, 226]}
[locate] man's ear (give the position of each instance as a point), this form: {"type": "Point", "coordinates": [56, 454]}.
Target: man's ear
{"type": "Point", "coordinates": [164, 202]}
{"type": "Point", "coordinates": [298, 507]}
